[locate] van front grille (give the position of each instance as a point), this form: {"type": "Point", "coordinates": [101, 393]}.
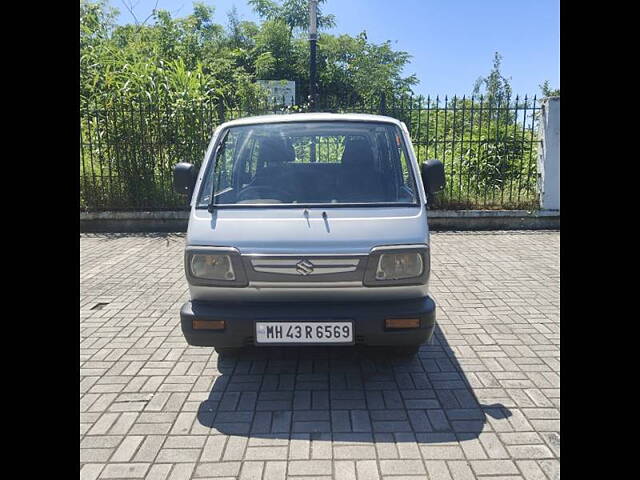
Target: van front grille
{"type": "Point", "coordinates": [308, 268]}
{"type": "Point", "coordinates": [304, 266]}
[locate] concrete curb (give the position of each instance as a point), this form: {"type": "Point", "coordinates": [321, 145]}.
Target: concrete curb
{"type": "Point", "coordinates": [439, 220]}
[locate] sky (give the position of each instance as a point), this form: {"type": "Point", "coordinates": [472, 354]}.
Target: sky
{"type": "Point", "coordinates": [452, 42]}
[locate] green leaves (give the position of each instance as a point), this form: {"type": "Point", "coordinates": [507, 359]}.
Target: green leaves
{"type": "Point", "coordinates": [151, 93]}
{"type": "Point", "coordinates": [192, 57]}
{"type": "Point", "coordinates": [295, 13]}
{"type": "Point", "coordinates": [547, 91]}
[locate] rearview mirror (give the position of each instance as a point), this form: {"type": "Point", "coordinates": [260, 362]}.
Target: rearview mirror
{"type": "Point", "coordinates": [184, 178]}
{"type": "Point", "coordinates": [433, 176]}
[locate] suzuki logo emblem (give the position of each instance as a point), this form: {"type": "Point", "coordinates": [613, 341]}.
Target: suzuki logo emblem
{"type": "Point", "coordinates": [304, 267]}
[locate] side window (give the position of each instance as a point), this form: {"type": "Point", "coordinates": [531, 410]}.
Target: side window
{"type": "Point", "coordinates": [224, 163]}
{"type": "Point", "coordinates": [250, 165]}
{"type": "Point", "coordinates": [406, 178]}
{"type": "Point", "coordinates": [382, 145]}
{"type": "Point", "coordinates": [403, 174]}
{"type": "Point", "coordinates": [220, 170]}
{"type": "Point", "coordinates": [404, 162]}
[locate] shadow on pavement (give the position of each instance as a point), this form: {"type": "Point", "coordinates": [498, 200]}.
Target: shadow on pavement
{"type": "Point", "coordinates": [350, 394]}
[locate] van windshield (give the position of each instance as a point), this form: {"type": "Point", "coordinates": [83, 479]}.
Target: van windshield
{"type": "Point", "coordinates": [310, 163]}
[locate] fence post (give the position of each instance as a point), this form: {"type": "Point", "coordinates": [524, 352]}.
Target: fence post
{"type": "Point", "coordinates": [383, 103]}
{"type": "Point", "coordinates": [220, 111]}
{"type": "Point", "coordinates": [549, 156]}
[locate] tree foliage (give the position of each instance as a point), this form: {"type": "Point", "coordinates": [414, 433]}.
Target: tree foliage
{"type": "Point", "coordinates": [148, 89]}
{"type": "Point", "coordinates": [495, 87]}
{"type": "Point", "coordinates": [192, 58]}
{"type": "Point", "coordinates": [151, 93]}
{"type": "Point", "coordinates": [547, 91]}
{"type": "Point", "coordinates": [295, 13]}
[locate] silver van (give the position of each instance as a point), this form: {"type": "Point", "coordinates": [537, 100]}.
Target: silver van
{"type": "Point", "coordinates": [309, 229]}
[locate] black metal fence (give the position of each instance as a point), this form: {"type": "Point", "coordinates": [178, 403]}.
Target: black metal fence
{"type": "Point", "coordinates": [489, 147]}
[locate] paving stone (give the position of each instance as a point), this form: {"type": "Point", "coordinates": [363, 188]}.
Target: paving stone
{"type": "Point", "coordinates": [385, 446]}
{"type": "Point", "coordinates": [213, 448]}
{"type": "Point", "coordinates": [367, 470]}
{"type": "Point", "coordinates": [275, 470]}
{"type": "Point", "coordinates": [299, 446]}
{"type": "Point", "coordinates": [437, 469]}
{"type": "Point", "coordinates": [309, 467]}
{"type": "Point", "coordinates": [437, 452]}
{"type": "Point", "coordinates": [235, 448]}
{"type": "Point", "coordinates": [159, 471]}
{"type": "Point", "coordinates": [266, 453]}
{"type": "Point", "coordinates": [551, 468]}
{"type": "Point", "coordinates": [460, 470]}
{"type": "Point", "coordinates": [95, 455]}
{"type": "Point", "coordinates": [251, 471]}
{"type": "Point", "coordinates": [182, 471]}
{"type": "Point", "coordinates": [127, 449]}
{"type": "Point", "coordinates": [401, 467]}
{"type": "Point", "coordinates": [90, 471]}
{"type": "Point", "coordinates": [125, 470]}
{"type": "Point", "coordinates": [149, 448]}
{"type": "Point", "coordinates": [344, 470]}
{"type": "Point", "coordinates": [529, 451]}
{"type": "Point", "coordinates": [178, 455]}
{"type": "Point", "coordinates": [354, 452]}
{"type": "Point", "coordinates": [530, 470]}
{"type": "Point", "coordinates": [184, 441]}
{"type": "Point", "coordinates": [218, 469]}
{"type": "Point", "coordinates": [482, 400]}
{"type": "Point", "coordinates": [494, 467]}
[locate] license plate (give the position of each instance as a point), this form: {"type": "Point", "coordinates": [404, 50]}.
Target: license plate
{"type": "Point", "coordinates": [304, 332]}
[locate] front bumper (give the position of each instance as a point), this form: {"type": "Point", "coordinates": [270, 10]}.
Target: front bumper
{"type": "Point", "coordinates": [368, 319]}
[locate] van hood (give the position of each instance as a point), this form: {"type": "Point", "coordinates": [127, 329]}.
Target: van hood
{"type": "Point", "coordinates": [291, 230]}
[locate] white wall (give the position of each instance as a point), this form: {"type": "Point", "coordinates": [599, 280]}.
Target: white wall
{"type": "Point", "coordinates": [549, 158]}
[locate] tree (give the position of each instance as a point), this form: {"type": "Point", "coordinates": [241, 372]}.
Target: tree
{"type": "Point", "coordinates": [495, 87]}
{"type": "Point", "coordinates": [356, 68]}
{"type": "Point", "coordinates": [495, 90]}
{"type": "Point", "coordinates": [547, 91]}
{"type": "Point", "coordinates": [191, 58]}
{"type": "Point", "coordinates": [295, 13]}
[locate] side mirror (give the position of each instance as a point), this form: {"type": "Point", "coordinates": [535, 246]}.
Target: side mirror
{"type": "Point", "coordinates": [433, 176]}
{"type": "Point", "coordinates": [184, 178]}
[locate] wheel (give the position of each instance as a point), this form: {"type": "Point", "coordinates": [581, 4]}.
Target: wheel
{"type": "Point", "coordinates": [405, 351]}
{"type": "Point", "coordinates": [228, 351]}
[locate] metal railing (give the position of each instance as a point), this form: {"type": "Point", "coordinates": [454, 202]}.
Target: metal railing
{"type": "Point", "coordinates": [488, 147]}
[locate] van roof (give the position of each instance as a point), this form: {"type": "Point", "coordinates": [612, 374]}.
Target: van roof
{"type": "Point", "coordinates": [307, 117]}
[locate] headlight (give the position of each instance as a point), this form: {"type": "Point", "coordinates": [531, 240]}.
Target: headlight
{"type": "Point", "coordinates": [401, 265]}
{"type": "Point", "coordinates": [212, 267]}
{"type": "Point", "coordinates": [396, 266]}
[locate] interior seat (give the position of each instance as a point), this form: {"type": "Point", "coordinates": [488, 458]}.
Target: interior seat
{"type": "Point", "coordinates": [313, 182]}
{"type": "Point", "coordinates": [274, 153]}
{"type": "Point", "coordinates": [360, 180]}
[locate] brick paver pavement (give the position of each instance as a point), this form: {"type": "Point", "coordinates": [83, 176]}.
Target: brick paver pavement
{"type": "Point", "coordinates": [482, 401]}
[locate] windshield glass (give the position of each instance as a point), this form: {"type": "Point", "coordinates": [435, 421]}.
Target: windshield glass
{"type": "Point", "coordinates": [324, 163]}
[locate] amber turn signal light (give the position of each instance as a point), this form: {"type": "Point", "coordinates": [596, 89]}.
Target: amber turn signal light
{"type": "Point", "coordinates": [402, 323]}
{"type": "Point", "coordinates": [208, 325]}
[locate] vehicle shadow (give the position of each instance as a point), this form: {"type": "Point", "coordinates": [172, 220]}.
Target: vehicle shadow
{"type": "Point", "coordinates": [349, 394]}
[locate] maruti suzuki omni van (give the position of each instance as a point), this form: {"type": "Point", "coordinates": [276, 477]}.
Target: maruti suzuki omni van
{"type": "Point", "coordinates": [309, 229]}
